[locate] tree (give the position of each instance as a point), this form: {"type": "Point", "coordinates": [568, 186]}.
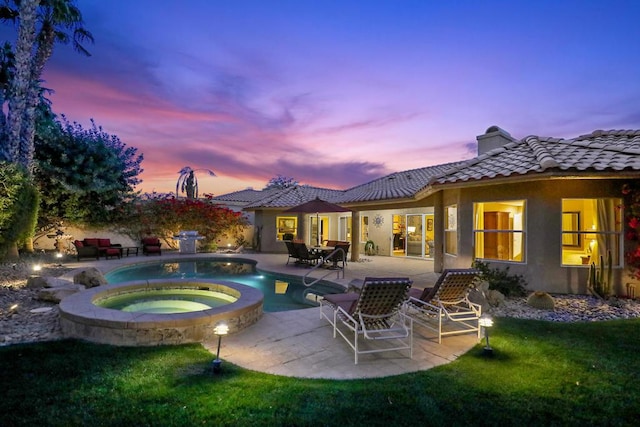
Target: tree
{"type": "Point", "coordinates": [41, 24]}
{"type": "Point", "coordinates": [164, 216]}
{"type": "Point", "coordinates": [188, 182]}
{"type": "Point", "coordinates": [83, 174]}
{"type": "Point", "coordinates": [281, 182]}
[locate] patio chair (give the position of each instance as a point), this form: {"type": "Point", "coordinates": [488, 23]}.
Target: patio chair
{"type": "Point", "coordinates": [374, 314]}
{"type": "Point", "coordinates": [304, 255]}
{"type": "Point", "coordinates": [337, 256]}
{"type": "Point", "coordinates": [151, 245]}
{"type": "Point", "coordinates": [292, 251]}
{"type": "Point", "coordinates": [447, 301]}
{"type": "Point", "coordinates": [85, 251]}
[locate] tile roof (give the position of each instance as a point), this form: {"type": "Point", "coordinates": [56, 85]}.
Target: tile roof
{"type": "Point", "coordinates": [398, 185]}
{"type": "Point", "coordinates": [245, 196]}
{"type": "Point", "coordinates": [294, 196]}
{"type": "Point", "coordinates": [597, 152]}
{"type": "Point", "coordinates": [613, 150]}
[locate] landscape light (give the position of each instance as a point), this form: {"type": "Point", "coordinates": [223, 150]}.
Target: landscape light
{"type": "Point", "coordinates": [220, 330]}
{"type": "Point", "coordinates": [486, 322]}
{"type": "Point", "coordinates": [36, 267]}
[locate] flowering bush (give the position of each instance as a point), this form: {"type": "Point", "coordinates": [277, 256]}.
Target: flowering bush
{"type": "Point", "coordinates": [631, 194]}
{"type": "Point", "coordinates": [164, 216]}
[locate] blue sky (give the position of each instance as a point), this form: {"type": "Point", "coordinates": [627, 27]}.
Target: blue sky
{"type": "Point", "coordinates": [336, 93]}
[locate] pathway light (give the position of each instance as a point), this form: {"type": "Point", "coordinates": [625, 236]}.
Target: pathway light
{"type": "Point", "coordinates": [220, 330]}
{"type": "Point", "coordinates": [486, 322]}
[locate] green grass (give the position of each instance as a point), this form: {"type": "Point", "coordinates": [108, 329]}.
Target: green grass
{"type": "Point", "coordinates": [542, 374]}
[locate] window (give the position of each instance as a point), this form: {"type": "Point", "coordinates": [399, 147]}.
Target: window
{"type": "Point", "coordinates": [591, 228]}
{"type": "Point", "coordinates": [499, 230]}
{"type": "Point", "coordinates": [286, 225]}
{"type": "Point", "coordinates": [451, 230]}
{"type": "Point", "coordinates": [364, 228]}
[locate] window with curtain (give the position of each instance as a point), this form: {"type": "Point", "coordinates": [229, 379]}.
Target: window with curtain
{"type": "Point", "coordinates": [499, 230]}
{"type": "Point", "coordinates": [590, 229]}
{"type": "Point", "coordinates": [451, 230]}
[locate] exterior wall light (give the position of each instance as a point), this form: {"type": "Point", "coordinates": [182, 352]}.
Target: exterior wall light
{"type": "Point", "coordinates": [486, 322]}
{"type": "Point", "coordinates": [220, 330]}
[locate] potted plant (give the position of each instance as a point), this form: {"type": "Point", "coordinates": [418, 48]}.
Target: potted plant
{"type": "Point", "coordinates": [369, 247]}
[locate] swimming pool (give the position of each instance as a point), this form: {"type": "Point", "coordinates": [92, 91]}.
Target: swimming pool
{"type": "Point", "coordinates": [281, 292]}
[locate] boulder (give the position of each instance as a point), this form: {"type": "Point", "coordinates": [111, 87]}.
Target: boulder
{"type": "Point", "coordinates": [495, 298]}
{"type": "Point", "coordinates": [38, 282]}
{"type": "Point", "coordinates": [486, 297]}
{"type": "Point", "coordinates": [90, 278]}
{"type": "Point", "coordinates": [59, 293]}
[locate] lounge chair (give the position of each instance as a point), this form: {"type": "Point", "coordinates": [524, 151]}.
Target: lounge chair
{"type": "Point", "coordinates": [447, 301]}
{"type": "Point", "coordinates": [375, 314]}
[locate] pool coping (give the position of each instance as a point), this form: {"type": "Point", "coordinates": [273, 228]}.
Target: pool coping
{"type": "Point", "coordinates": [81, 318]}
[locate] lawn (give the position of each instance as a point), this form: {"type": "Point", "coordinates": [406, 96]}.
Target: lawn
{"type": "Point", "coordinates": [542, 373]}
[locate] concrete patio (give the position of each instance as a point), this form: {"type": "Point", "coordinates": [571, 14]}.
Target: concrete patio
{"type": "Point", "coordinates": [299, 344]}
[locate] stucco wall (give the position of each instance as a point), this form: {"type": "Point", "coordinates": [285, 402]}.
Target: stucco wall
{"type": "Point", "coordinates": [542, 268]}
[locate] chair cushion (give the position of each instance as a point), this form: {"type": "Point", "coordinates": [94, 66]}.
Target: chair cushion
{"type": "Point", "coordinates": [104, 243]}
{"type": "Point", "coordinates": [92, 242]}
{"type": "Point", "coordinates": [78, 244]}
{"type": "Point", "coordinates": [346, 301]}
{"type": "Point", "coordinates": [421, 294]}
{"type": "Point", "coordinates": [150, 241]}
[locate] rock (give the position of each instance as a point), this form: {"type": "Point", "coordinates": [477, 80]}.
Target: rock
{"type": "Point", "coordinates": [477, 296]}
{"type": "Point", "coordinates": [90, 278]}
{"type": "Point", "coordinates": [59, 293]}
{"type": "Point", "coordinates": [486, 297]}
{"type": "Point", "coordinates": [38, 282]}
{"type": "Point", "coordinates": [494, 298]}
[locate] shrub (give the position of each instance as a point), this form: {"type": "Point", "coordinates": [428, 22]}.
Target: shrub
{"type": "Point", "coordinates": [19, 200]}
{"type": "Point", "coordinates": [500, 279]}
{"type": "Point", "coordinates": [164, 216]}
{"type": "Point", "coordinates": [541, 300]}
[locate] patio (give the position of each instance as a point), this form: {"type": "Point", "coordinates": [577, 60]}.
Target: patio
{"type": "Point", "coordinates": [299, 344]}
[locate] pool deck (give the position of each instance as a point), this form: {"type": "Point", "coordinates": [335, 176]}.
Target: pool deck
{"type": "Point", "coordinates": [299, 344]}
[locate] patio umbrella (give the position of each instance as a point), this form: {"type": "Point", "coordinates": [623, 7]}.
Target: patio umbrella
{"type": "Point", "coordinates": [316, 206]}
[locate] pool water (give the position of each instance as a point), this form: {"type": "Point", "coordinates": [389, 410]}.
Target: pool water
{"type": "Point", "coordinates": [166, 301]}
{"type": "Point", "coordinates": [281, 292]}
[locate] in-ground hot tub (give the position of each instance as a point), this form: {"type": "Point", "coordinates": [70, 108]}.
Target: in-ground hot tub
{"type": "Point", "coordinates": [81, 318]}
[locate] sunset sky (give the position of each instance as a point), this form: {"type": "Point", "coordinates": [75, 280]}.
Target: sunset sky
{"type": "Point", "coordinates": [336, 93]}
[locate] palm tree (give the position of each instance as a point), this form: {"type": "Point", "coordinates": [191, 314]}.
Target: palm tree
{"type": "Point", "coordinates": [188, 182]}
{"type": "Point", "coordinates": [41, 24]}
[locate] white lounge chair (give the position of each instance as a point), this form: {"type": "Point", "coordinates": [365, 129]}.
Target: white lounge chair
{"type": "Point", "coordinates": [447, 302]}
{"type": "Point", "coordinates": [374, 314]}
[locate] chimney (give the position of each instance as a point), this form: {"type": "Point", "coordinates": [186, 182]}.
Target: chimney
{"type": "Point", "coordinates": [494, 137]}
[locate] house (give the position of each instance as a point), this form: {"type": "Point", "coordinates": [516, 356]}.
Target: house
{"type": "Point", "coordinates": [545, 207]}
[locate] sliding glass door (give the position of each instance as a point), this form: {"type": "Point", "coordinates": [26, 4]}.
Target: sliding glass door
{"type": "Point", "coordinates": [415, 240]}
